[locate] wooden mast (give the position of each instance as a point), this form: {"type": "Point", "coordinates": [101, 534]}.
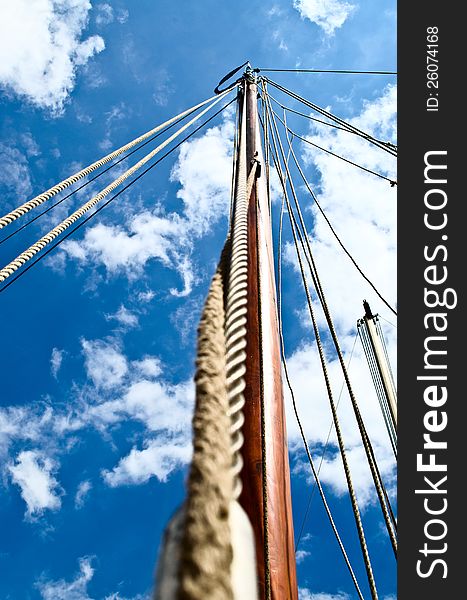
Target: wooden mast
{"type": "Point", "coordinates": [265, 455]}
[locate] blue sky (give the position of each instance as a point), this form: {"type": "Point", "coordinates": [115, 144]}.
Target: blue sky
{"type": "Point", "coordinates": [98, 339]}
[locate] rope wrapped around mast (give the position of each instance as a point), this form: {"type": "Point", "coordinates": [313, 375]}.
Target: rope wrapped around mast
{"type": "Point", "coordinates": [210, 538]}
{"type": "Point", "coordinates": [206, 550]}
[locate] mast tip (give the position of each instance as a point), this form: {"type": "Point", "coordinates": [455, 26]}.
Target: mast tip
{"type": "Point", "coordinates": [367, 308]}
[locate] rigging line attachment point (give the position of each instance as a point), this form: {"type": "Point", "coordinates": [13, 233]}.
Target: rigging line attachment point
{"type": "Point", "coordinates": [230, 74]}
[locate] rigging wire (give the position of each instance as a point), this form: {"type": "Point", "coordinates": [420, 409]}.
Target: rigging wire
{"type": "Point", "coordinates": [328, 114]}
{"type": "Point", "coordinates": [302, 114]}
{"type": "Point", "coordinates": [353, 499]}
{"type": "Point", "coordinates": [354, 262]}
{"type": "Point", "coordinates": [55, 204]}
{"type": "Point", "coordinates": [317, 481]}
{"type": "Point", "coordinates": [390, 148]}
{"type": "Point", "coordinates": [339, 71]}
{"type": "Point", "coordinates": [302, 234]}
{"type": "Point", "coordinates": [44, 196]}
{"type": "Point", "coordinates": [350, 162]}
{"type": "Point", "coordinates": [389, 322]}
{"type": "Point", "coordinates": [331, 427]}
{"type": "Point", "coordinates": [234, 161]}
{"type": "Point", "coordinates": [102, 206]}
{"type": "Point", "coordinates": [380, 296]}
{"type": "Point", "coordinates": [313, 195]}
{"type": "Point", "coordinates": [46, 239]}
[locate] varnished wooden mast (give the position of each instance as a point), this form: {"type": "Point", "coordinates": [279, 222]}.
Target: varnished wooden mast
{"type": "Point", "coordinates": [265, 455]}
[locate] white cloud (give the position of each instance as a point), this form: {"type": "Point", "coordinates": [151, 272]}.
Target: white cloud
{"type": "Point", "coordinates": [124, 317]}
{"type": "Point", "coordinates": [82, 493]}
{"type": "Point", "coordinates": [277, 37]}
{"type": "Point", "coordinates": [362, 209]}
{"type": "Point", "coordinates": [159, 405]}
{"type": "Point", "coordinates": [203, 169]}
{"type": "Point", "coordinates": [159, 458]}
{"type": "Point", "coordinates": [122, 15]}
{"type": "Point", "coordinates": [39, 489]}
{"type": "Point", "coordinates": [64, 590]}
{"type": "Point", "coordinates": [163, 408]}
{"type": "Point", "coordinates": [123, 392]}
{"type": "Point", "coordinates": [104, 362]}
{"type": "Point", "coordinates": [149, 236]}
{"type": "Point", "coordinates": [327, 14]}
{"type": "Point", "coordinates": [41, 48]}
{"type": "Point", "coordinates": [24, 423]}
{"type": "Point", "coordinates": [29, 144]}
{"type": "Point", "coordinates": [115, 116]}
{"type": "Point", "coordinates": [56, 361]}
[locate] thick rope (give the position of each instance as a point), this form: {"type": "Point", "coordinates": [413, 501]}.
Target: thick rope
{"type": "Point", "coordinates": [206, 551]}
{"type": "Point", "coordinates": [27, 206]}
{"type": "Point", "coordinates": [236, 311]}
{"type": "Point", "coordinates": [25, 256]}
{"type": "Point", "coordinates": [206, 548]}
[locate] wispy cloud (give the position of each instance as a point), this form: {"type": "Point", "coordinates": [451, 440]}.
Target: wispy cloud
{"type": "Point", "coordinates": [301, 555]}
{"type": "Point", "coordinates": [124, 317]}
{"type": "Point", "coordinates": [105, 14]}
{"type": "Point", "coordinates": [15, 177]}
{"type": "Point", "coordinates": [56, 361]}
{"type": "Point", "coordinates": [105, 365]}
{"type": "Point", "coordinates": [82, 493]}
{"type": "Point", "coordinates": [68, 590]}
{"type": "Point", "coordinates": [77, 588]}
